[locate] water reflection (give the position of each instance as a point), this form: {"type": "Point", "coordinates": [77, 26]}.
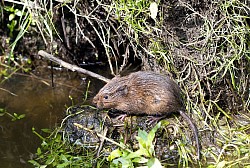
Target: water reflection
{"type": "Point", "coordinates": [43, 106]}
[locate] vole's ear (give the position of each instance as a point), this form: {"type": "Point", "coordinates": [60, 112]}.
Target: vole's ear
{"type": "Point", "coordinates": [116, 77]}
{"type": "Point", "coordinates": [122, 89]}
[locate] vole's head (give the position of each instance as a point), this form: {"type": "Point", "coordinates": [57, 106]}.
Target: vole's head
{"type": "Point", "coordinates": [112, 94]}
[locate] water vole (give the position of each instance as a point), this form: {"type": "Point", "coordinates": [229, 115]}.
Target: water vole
{"type": "Point", "coordinates": [144, 92]}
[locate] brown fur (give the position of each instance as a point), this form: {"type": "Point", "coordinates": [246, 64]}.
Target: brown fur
{"type": "Point", "coordinates": [141, 92]}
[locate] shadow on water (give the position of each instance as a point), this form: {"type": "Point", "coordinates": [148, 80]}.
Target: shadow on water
{"type": "Point", "coordinates": [43, 106]}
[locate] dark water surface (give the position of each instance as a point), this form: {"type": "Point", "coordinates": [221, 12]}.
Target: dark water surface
{"type": "Point", "coordinates": [43, 106]}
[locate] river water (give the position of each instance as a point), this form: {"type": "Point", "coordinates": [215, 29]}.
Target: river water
{"type": "Point", "coordinates": [44, 107]}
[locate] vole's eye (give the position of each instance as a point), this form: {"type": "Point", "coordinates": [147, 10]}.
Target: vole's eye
{"type": "Point", "coordinates": [106, 97]}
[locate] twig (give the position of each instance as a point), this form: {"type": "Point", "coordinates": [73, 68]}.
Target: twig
{"type": "Point", "coordinates": [13, 94]}
{"type": "Point", "coordinates": [72, 67]}
{"type": "Point", "coordinates": [103, 137]}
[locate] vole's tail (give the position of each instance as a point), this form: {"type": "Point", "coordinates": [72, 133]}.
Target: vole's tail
{"type": "Point", "coordinates": [195, 132]}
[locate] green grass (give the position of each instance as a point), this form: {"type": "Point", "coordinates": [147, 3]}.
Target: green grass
{"type": "Point", "coordinates": [55, 151]}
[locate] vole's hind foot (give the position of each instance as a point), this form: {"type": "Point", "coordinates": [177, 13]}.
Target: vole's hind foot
{"type": "Point", "coordinates": [121, 117]}
{"type": "Point", "coordinates": [154, 119]}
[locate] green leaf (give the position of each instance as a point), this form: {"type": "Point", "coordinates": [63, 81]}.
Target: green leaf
{"type": "Point", "coordinates": [65, 164]}
{"type": "Point", "coordinates": [140, 160]}
{"type": "Point", "coordinates": [29, 61]}
{"type": "Point", "coordinates": [154, 163]}
{"type": "Point", "coordinates": [46, 130]}
{"type": "Point", "coordinates": [142, 134]}
{"type": "Point", "coordinates": [211, 166]}
{"type": "Point", "coordinates": [125, 163]}
{"type": "Point", "coordinates": [2, 112]}
{"type": "Point", "coordinates": [11, 16]}
{"type": "Point", "coordinates": [35, 163]}
{"type": "Point", "coordinates": [38, 151]}
{"type": "Point", "coordinates": [142, 138]}
{"type": "Point", "coordinates": [21, 116]}
{"type": "Point", "coordinates": [50, 160]}
{"type": "Point", "coordinates": [140, 152]}
{"type": "Point", "coordinates": [114, 154]}
{"type": "Point", "coordinates": [142, 143]}
{"type": "Point", "coordinates": [18, 12]}
{"type": "Point", "coordinates": [9, 8]}
{"type": "Point", "coordinates": [44, 143]}
{"type": "Point", "coordinates": [151, 134]}
{"type": "Point", "coordinates": [164, 123]}
{"type": "Point", "coordinates": [64, 158]}
{"type": "Point", "coordinates": [13, 119]}
{"type": "Point", "coordinates": [221, 164]}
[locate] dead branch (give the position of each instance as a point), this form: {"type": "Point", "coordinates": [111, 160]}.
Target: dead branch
{"type": "Point", "coordinates": [72, 67]}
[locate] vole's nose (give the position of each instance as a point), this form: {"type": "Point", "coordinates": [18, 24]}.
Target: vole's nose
{"type": "Point", "coordinates": [95, 100]}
